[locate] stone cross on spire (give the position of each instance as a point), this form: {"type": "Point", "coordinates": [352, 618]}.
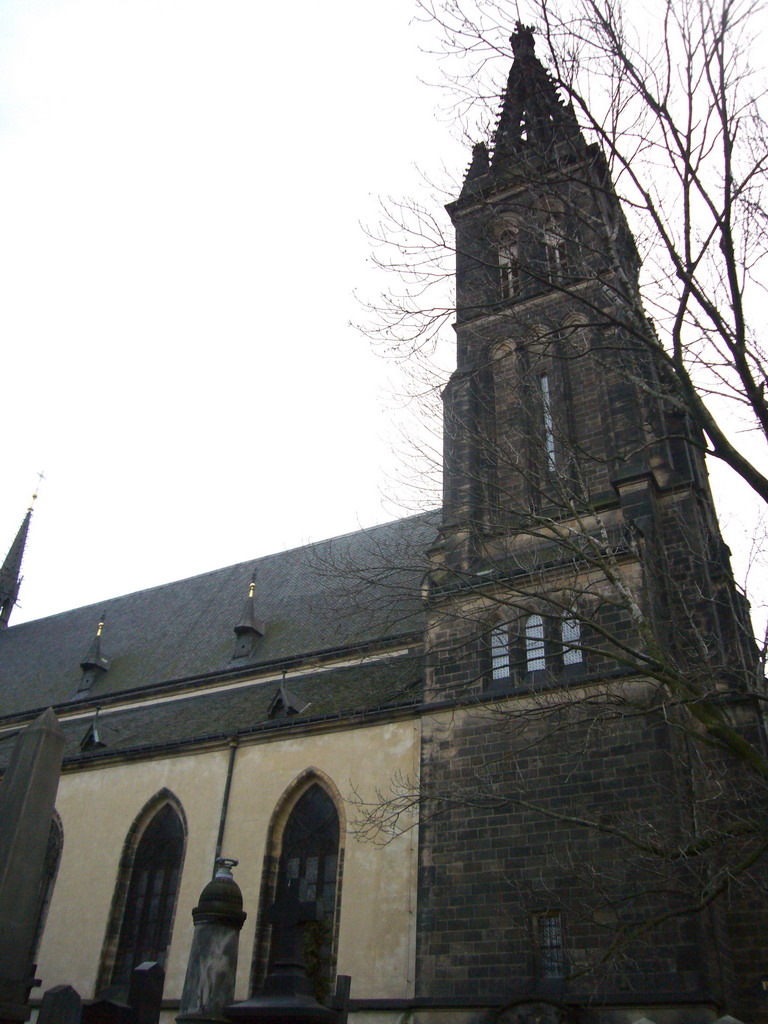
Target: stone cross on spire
{"type": "Point", "coordinates": [522, 41]}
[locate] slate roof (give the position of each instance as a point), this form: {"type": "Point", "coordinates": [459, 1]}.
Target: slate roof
{"type": "Point", "coordinates": [147, 728]}
{"type": "Point", "coordinates": [347, 592]}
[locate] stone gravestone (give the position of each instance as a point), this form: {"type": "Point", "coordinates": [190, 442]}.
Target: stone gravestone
{"type": "Point", "coordinates": [145, 992]}
{"type": "Point", "coordinates": [61, 1005]}
{"type": "Point", "coordinates": [533, 1011]}
{"type": "Point", "coordinates": [144, 1001]}
{"type": "Point", "coordinates": [341, 998]}
{"type": "Point", "coordinates": [27, 798]}
{"type": "Point", "coordinates": [287, 996]}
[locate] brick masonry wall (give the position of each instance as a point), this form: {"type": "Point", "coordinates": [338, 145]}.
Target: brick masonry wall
{"type": "Point", "coordinates": [490, 864]}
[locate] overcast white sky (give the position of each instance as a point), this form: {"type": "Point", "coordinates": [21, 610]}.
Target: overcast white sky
{"type": "Point", "coordinates": [181, 189]}
{"type": "Point", "coordinates": [181, 186]}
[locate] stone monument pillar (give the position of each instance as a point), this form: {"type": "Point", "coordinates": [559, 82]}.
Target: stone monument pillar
{"type": "Point", "coordinates": [209, 984]}
{"type": "Point", "coordinates": [27, 798]}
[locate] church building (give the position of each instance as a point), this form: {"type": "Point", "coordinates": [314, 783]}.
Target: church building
{"type": "Point", "coordinates": [498, 740]}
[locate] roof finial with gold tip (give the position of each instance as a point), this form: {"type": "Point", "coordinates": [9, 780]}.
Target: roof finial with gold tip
{"type": "Point", "coordinates": [94, 664]}
{"type": "Point", "coordinates": [250, 628]}
{"type": "Point", "coordinates": [40, 478]}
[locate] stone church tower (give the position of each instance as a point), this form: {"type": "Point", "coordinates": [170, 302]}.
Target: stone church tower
{"type": "Point", "coordinates": [580, 605]}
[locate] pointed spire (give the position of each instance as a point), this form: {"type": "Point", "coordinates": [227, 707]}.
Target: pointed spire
{"type": "Point", "coordinates": [477, 169]}
{"type": "Point", "coordinates": [94, 659]}
{"type": "Point", "coordinates": [10, 571]}
{"type": "Point", "coordinates": [533, 116]}
{"type": "Point", "coordinates": [94, 664]}
{"type": "Point", "coordinates": [250, 628]}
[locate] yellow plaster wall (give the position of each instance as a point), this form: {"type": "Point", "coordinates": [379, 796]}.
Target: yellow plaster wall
{"type": "Point", "coordinates": [377, 925]}
{"type": "Point", "coordinates": [98, 807]}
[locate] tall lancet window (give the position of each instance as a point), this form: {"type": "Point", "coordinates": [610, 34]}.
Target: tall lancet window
{"type": "Point", "coordinates": [145, 933]}
{"type": "Point", "coordinates": [570, 631]}
{"type": "Point", "coordinates": [547, 422]}
{"type": "Point", "coordinates": [535, 652]}
{"type": "Point", "coordinates": [500, 654]}
{"type": "Point", "coordinates": [50, 870]}
{"type": "Point", "coordinates": [309, 858]}
{"type": "Point", "coordinates": [556, 254]}
{"type": "Point", "coordinates": [509, 265]}
{"type": "Point", "coordinates": [551, 945]}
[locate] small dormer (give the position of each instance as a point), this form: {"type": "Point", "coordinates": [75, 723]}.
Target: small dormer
{"type": "Point", "coordinates": [92, 739]}
{"type": "Point", "coordinates": [94, 664]}
{"type": "Point", "coordinates": [250, 628]}
{"type": "Point", "coordinates": [286, 704]}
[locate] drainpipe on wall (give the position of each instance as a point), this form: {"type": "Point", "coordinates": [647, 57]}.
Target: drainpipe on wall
{"type": "Point", "coordinates": [233, 745]}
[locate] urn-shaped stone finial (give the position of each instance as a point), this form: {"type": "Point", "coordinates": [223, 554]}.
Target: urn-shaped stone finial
{"type": "Point", "coordinates": [209, 984]}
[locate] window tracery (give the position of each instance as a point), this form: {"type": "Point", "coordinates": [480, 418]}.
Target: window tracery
{"type": "Point", "coordinates": [535, 650]}
{"type": "Point", "coordinates": [509, 265]}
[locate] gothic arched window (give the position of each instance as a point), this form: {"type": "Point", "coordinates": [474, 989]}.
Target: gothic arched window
{"type": "Point", "coordinates": [50, 870]}
{"type": "Point", "coordinates": [309, 857]}
{"type": "Point", "coordinates": [535, 652]}
{"type": "Point", "coordinates": [145, 931]}
{"type": "Point", "coordinates": [570, 632]}
{"type": "Point", "coordinates": [306, 851]}
{"type": "Point", "coordinates": [548, 422]}
{"type": "Point", "coordinates": [500, 654]}
{"type": "Point", "coordinates": [556, 252]}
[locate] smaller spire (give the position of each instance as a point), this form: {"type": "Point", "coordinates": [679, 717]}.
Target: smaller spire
{"type": "Point", "coordinates": [94, 664]}
{"type": "Point", "coordinates": [250, 628]}
{"type": "Point", "coordinates": [533, 117]}
{"type": "Point", "coordinates": [478, 168]}
{"type": "Point", "coordinates": [10, 571]}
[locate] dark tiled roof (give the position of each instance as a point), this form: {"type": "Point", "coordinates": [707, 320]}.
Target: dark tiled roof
{"type": "Point", "coordinates": [352, 590]}
{"type": "Point", "coordinates": [217, 714]}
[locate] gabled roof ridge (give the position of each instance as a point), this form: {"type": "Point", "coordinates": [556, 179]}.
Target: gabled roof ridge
{"type": "Point", "coordinates": [250, 562]}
